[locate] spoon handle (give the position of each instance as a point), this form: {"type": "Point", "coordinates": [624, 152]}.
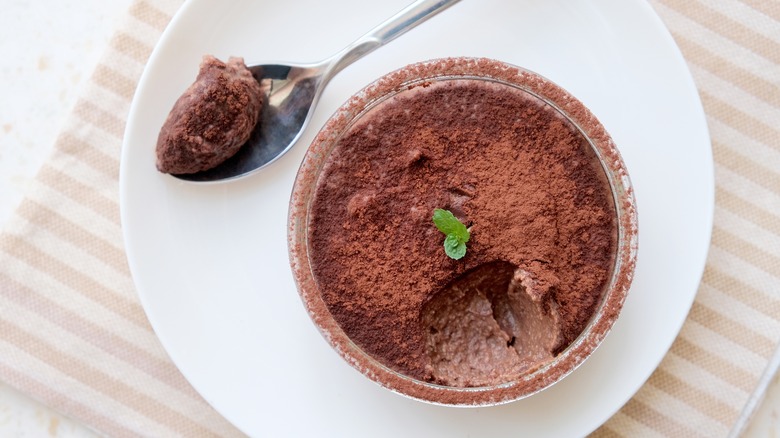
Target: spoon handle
{"type": "Point", "coordinates": [393, 27]}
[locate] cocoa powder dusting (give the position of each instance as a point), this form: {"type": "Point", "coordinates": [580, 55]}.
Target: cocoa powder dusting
{"type": "Point", "coordinates": [507, 165]}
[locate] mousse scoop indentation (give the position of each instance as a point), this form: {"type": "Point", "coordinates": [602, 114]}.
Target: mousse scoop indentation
{"type": "Point", "coordinates": [490, 322]}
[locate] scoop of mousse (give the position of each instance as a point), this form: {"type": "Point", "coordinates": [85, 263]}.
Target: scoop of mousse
{"type": "Point", "coordinates": [212, 119]}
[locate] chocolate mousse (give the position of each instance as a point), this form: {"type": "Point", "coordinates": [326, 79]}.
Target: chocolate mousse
{"type": "Point", "coordinates": [541, 216]}
{"type": "Point", "coordinates": [212, 119]}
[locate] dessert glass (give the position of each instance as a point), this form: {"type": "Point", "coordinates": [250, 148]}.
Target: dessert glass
{"type": "Point", "coordinates": [480, 69]}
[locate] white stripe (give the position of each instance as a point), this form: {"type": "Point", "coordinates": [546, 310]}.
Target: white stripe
{"type": "Point", "coordinates": [73, 211]}
{"type": "Point", "coordinates": [628, 427]}
{"type": "Point", "coordinates": [69, 343]}
{"type": "Point", "coordinates": [757, 21]}
{"type": "Point", "coordinates": [105, 145]}
{"type": "Point", "coordinates": [759, 322]}
{"type": "Point", "coordinates": [748, 231]}
{"type": "Point", "coordinates": [77, 303]}
{"type": "Point", "coordinates": [681, 412]}
{"type": "Point", "coordinates": [736, 97]}
{"type": "Point", "coordinates": [759, 196]}
{"type": "Point", "coordinates": [130, 67]}
{"type": "Point", "coordinates": [705, 381]}
{"type": "Point", "coordinates": [123, 372]}
{"type": "Point", "coordinates": [722, 347]}
{"type": "Point", "coordinates": [106, 100]}
{"type": "Point", "coordinates": [26, 364]}
{"type": "Point", "coordinates": [74, 256]}
{"type": "Point", "coordinates": [102, 185]}
{"type": "Point", "coordinates": [138, 28]}
{"type": "Point", "coordinates": [748, 273]}
{"type": "Point", "coordinates": [746, 146]}
{"type": "Point", "coordinates": [717, 43]}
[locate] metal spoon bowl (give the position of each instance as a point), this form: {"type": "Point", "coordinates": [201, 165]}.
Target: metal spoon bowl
{"type": "Point", "coordinates": [292, 91]}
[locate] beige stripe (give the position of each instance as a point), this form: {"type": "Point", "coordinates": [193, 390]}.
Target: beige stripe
{"type": "Point", "coordinates": [747, 168]}
{"type": "Point", "coordinates": [113, 80]}
{"type": "Point", "coordinates": [742, 291]}
{"type": "Point", "coordinates": [63, 402]}
{"type": "Point", "coordinates": [752, 254]}
{"type": "Point", "coordinates": [725, 69]}
{"type": "Point", "coordinates": [698, 399]}
{"type": "Point", "coordinates": [88, 154]}
{"type": "Point", "coordinates": [681, 24]}
{"type": "Point", "coordinates": [727, 136]}
{"type": "Point", "coordinates": [739, 99]}
{"type": "Point", "coordinates": [648, 416]}
{"type": "Point", "coordinates": [723, 303]}
{"type": "Point", "coordinates": [670, 407]}
{"type": "Point", "coordinates": [101, 249]}
{"type": "Point", "coordinates": [103, 383]}
{"type": "Point", "coordinates": [755, 214]}
{"type": "Point", "coordinates": [713, 364]}
{"type": "Point", "coordinates": [770, 8]}
{"type": "Point", "coordinates": [696, 376]}
{"type": "Point", "coordinates": [150, 15]}
{"type": "Point", "coordinates": [80, 193]}
{"type": "Point", "coordinates": [605, 432]}
{"type": "Point", "coordinates": [125, 43]}
{"type": "Point", "coordinates": [78, 281]}
{"type": "Point", "coordinates": [741, 121]}
{"type": "Point", "coordinates": [732, 330]}
{"type": "Point", "coordinates": [160, 369]}
{"type": "Point", "coordinates": [726, 26]}
{"type": "Point", "coordinates": [99, 118]}
{"type": "Point", "coordinates": [624, 426]}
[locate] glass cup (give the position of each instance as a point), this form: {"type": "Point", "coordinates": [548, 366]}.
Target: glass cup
{"type": "Point", "coordinates": [407, 80]}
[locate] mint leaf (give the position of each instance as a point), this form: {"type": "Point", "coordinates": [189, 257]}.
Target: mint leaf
{"type": "Point", "coordinates": [456, 233]}
{"type": "Point", "coordinates": [448, 224]}
{"type": "Point", "coordinates": [454, 247]}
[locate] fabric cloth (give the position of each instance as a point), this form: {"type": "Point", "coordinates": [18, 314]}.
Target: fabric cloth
{"type": "Point", "coordinates": [74, 336]}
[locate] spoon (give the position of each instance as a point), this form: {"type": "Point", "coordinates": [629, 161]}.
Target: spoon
{"type": "Point", "coordinates": [294, 89]}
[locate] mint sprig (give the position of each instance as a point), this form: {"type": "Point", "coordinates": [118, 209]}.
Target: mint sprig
{"type": "Point", "coordinates": [456, 233]}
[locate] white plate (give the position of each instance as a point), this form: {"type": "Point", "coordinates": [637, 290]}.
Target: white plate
{"type": "Point", "coordinates": [210, 262]}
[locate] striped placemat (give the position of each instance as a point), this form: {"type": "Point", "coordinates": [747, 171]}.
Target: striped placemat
{"type": "Point", "coordinates": [74, 336]}
{"type": "Point", "coordinates": [72, 331]}
{"type": "Point", "coordinates": [733, 51]}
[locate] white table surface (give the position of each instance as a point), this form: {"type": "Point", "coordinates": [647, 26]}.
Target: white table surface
{"type": "Point", "coordinates": [49, 49]}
